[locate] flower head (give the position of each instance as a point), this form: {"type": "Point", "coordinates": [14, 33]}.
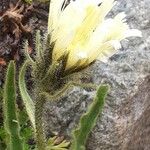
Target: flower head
{"type": "Point", "coordinates": [81, 30]}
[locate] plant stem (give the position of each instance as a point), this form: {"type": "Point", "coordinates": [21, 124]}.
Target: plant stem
{"type": "Point", "coordinates": [40, 136]}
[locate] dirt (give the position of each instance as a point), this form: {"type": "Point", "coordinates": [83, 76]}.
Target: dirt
{"type": "Point", "coordinates": [18, 22]}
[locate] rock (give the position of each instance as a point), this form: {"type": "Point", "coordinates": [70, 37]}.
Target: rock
{"type": "Point", "coordinates": [125, 122]}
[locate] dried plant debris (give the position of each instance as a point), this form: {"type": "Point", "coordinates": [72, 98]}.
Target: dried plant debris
{"type": "Point", "coordinates": [11, 22]}
{"type": "Point", "coordinates": [15, 17]}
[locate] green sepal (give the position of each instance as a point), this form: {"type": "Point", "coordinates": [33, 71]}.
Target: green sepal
{"type": "Point", "coordinates": [28, 102]}
{"type": "Point", "coordinates": [88, 120]}
{"type": "Point", "coordinates": [26, 47]}
{"type": "Point", "coordinates": [38, 46]}
{"type": "Point", "coordinates": [11, 123]}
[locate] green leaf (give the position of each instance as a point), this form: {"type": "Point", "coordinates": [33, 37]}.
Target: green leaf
{"type": "Point", "coordinates": [27, 134]}
{"type": "Point", "coordinates": [53, 145]}
{"type": "Point", "coordinates": [26, 130]}
{"type": "Point", "coordinates": [2, 133]}
{"type": "Point", "coordinates": [23, 117]}
{"type": "Point", "coordinates": [11, 122]}
{"type": "Point", "coordinates": [28, 102]}
{"type": "Point", "coordinates": [88, 120]}
{"type": "Point", "coordinates": [2, 138]}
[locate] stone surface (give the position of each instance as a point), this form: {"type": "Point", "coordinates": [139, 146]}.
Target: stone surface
{"type": "Point", "coordinates": [125, 123]}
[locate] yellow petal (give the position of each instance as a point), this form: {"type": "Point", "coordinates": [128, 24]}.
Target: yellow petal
{"type": "Point", "coordinates": [77, 23]}
{"type": "Point", "coordinates": [108, 49]}
{"type": "Point", "coordinates": [82, 31]}
{"type": "Point", "coordinates": [69, 21]}
{"type": "Point", "coordinates": [54, 14]}
{"type": "Point", "coordinates": [132, 32]}
{"type": "Point", "coordinates": [88, 25]}
{"type": "Point", "coordinates": [94, 16]}
{"type": "Point", "coordinates": [71, 17]}
{"type": "Point", "coordinates": [78, 55]}
{"type": "Point", "coordinates": [110, 29]}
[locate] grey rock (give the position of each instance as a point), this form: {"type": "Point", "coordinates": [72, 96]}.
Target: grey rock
{"type": "Point", "coordinates": [125, 121]}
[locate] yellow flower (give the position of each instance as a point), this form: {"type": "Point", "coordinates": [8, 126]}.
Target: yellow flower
{"type": "Point", "coordinates": [81, 30]}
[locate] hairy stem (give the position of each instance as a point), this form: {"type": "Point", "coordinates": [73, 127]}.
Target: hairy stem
{"type": "Point", "coordinates": [40, 136]}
